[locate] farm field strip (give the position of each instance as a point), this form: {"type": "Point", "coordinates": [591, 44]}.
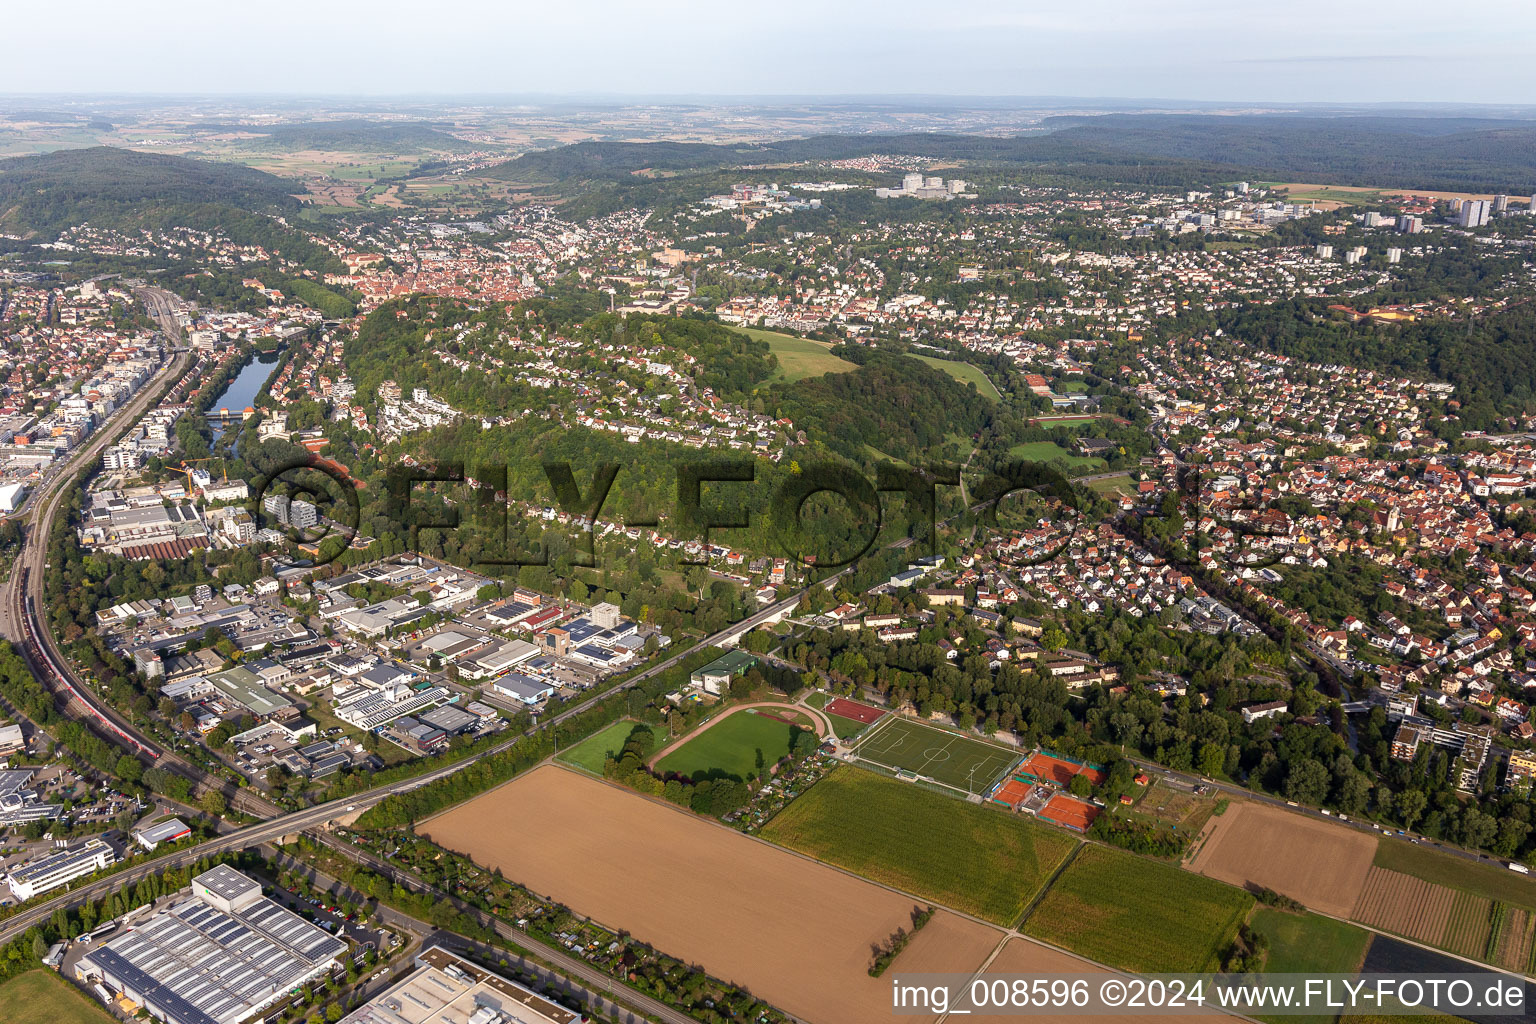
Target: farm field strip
{"type": "Point", "coordinates": [1136, 914]}
{"type": "Point", "coordinates": [1515, 945]}
{"type": "Point", "coordinates": [798, 934]}
{"type": "Point", "coordinates": [1321, 864]}
{"type": "Point", "coordinates": [978, 859]}
{"type": "Point", "coordinates": [1408, 906]}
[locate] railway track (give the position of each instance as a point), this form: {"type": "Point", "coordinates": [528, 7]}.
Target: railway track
{"type": "Point", "coordinates": [25, 625]}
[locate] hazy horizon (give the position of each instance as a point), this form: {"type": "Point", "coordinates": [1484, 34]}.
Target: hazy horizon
{"type": "Point", "coordinates": [1411, 53]}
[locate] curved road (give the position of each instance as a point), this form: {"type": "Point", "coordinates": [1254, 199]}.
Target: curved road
{"type": "Point", "coordinates": [299, 821]}
{"type": "Point", "coordinates": [823, 728]}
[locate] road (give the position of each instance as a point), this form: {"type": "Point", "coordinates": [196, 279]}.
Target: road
{"type": "Point", "coordinates": [25, 625]}
{"type": "Point", "coordinates": [295, 822]}
{"type": "Point", "coordinates": [1362, 825]}
{"type": "Point", "coordinates": [592, 979]}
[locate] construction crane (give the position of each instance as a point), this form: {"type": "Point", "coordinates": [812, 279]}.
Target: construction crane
{"type": "Point", "coordinates": [187, 464]}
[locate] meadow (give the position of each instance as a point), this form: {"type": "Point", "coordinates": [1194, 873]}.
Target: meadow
{"type": "Point", "coordinates": [965, 373]}
{"type": "Point", "coordinates": [973, 858]}
{"type": "Point", "coordinates": [736, 745]}
{"type": "Point", "coordinates": [1049, 451]}
{"type": "Point", "coordinates": [798, 357]}
{"type": "Point", "coordinates": [1309, 943]}
{"type": "Point", "coordinates": [1138, 915]}
{"type": "Point", "coordinates": [592, 752]}
{"type": "Point", "coordinates": [1479, 878]}
{"type": "Point", "coordinates": [42, 997]}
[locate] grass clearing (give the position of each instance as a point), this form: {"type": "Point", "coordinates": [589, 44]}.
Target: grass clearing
{"type": "Point", "coordinates": [735, 746]}
{"type": "Point", "coordinates": [1310, 943]}
{"type": "Point", "coordinates": [970, 857]}
{"type": "Point", "coordinates": [1048, 451]}
{"type": "Point", "coordinates": [42, 997]}
{"type": "Point", "coordinates": [1479, 878]}
{"type": "Point", "coordinates": [1119, 484]}
{"type": "Point", "coordinates": [593, 752]}
{"type": "Point", "coordinates": [799, 358]}
{"type": "Point", "coordinates": [947, 758]}
{"type": "Point", "coordinates": [965, 373]}
{"type": "Point", "coordinates": [1138, 915]}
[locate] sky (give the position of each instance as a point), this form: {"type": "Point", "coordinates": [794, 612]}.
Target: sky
{"type": "Point", "coordinates": [1366, 51]}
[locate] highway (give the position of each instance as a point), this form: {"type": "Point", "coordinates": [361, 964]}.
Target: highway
{"type": "Point", "coordinates": [591, 978]}
{"type": "Point", "coordinates": [295, 822]}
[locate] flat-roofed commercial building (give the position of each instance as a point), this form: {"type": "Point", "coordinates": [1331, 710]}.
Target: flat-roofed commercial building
{"type": "Point", "coordinates": [60, 867]}
{"type": "Point", "coordinates": [219, 957]}
{"type": "Point", "coordinates": [447, 989]}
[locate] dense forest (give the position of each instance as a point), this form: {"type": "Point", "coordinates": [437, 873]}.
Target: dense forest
{"type": "Point", "coordinates": [1491, 359]}
{"type": "Point", "coordinates": [349, 135]}
{"type": "Point", "coordinates": [1444, 153]}
{"type": "Point", "coordinates": [52, 190]}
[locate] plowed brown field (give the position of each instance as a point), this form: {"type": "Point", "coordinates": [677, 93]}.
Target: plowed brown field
{"type": "Point", "coordinates": [1320, 863]}
{"type": "Point", "coordinates": [1021, 956]}
{"type": "Point", "coordinates": [1514, 951]}
{"type": "Point", "coordinates": [794, 932]}
{"type": "Point", "coordinates": [1404, 905]}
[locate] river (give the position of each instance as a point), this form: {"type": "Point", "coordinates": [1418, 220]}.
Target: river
{"type": "Point", "coordinates": [247, 384]}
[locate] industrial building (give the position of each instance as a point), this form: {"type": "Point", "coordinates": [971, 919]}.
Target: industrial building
{"type": "Point", "coordinates": [19, 802]}
{"type": "Point", "coordinates": [60, 868]}
{"type": "Point", "coordinates": [151, 836]}
{"type": "Point", "coordinates": [221, 956]}
{"type": "Point", "coordinates": [448, 989]}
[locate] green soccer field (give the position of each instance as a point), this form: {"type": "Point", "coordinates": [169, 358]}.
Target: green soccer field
{"type": "Point", "coordinates": [945, 757]}
{"type": "Point", "coordinates": [735, 746]}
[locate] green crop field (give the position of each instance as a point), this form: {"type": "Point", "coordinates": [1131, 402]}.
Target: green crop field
{"type": "Point", "coordinates": [1479, 878]}
{"type": "Point", "coordinates": [945, 757]}
{"type": "Point", "coordinates": [978, 859]}
{"type": "Point", "coordinates": [593, 751]}
{"type": "Point", "coordinates": [1048, 451]}
{"type": "Point", "coordinates": [42, 997]}
{"type": "Point", "coordinates": [798, 357]}
{"type": "Point", "coordinates": [731, 746]}
{"type": "Point", "coordinates": [1310, 943]}
{"type": "Point", "coordinates": [1137, 914]}
{"type": "Point", "coordinates": [965, 373]}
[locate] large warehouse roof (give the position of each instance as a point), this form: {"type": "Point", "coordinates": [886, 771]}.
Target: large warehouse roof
{"type": "Point", "coordinates": [193, 963]}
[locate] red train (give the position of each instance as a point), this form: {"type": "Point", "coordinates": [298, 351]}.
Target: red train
{"type": "Point", "coordinates": [57, 678]}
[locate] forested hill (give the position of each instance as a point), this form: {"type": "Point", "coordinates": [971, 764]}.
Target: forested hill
{"type": "Point", "coordinates": [352, 135]}
{"type": "Point", "coordinates": [892, 406]}
{"type": "Point", "coordinates": [1418, 152]}
{"type": "Point", "coordinates": [1491, 359]}
{"type": "Point", "coordinates": [51, 190]}
{"type": "Point", "coordinates": [1454, 153]}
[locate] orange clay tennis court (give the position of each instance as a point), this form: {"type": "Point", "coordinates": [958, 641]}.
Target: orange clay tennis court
{"type": "Point", "coordinates": [1069, 811]}
{"type": "Point", "coordinates": [1043, 767]}
{"type": "Point", "coordinates": [861, 713]}
{"type": "Point", "coordinates": [1012, 793]}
